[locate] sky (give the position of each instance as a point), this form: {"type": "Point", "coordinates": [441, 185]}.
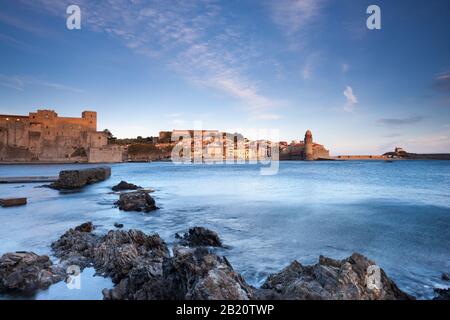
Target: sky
{"type": "Point", "coordinates": [237, 65]}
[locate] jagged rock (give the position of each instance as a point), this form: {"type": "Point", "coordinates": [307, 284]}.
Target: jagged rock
{"type": "Point", "coordinates": [76, 246]}
{"type": "Point", "coordinates": [26, 272]}
{"type": "Point", "coordinates": [198, 274]}
{"type": "Point", "coordinates": [445, 276]}
{"type": "Point", "coordinates": [76, 179]}
{"type": "Point", "coordinates": [123, 185]}
{"type": "Point", "coordinates": [144, 282]}
{"type": "Point", "coordinates": [86, 227]}
{"type": "Point", "coordinates": [331, 280]}
{"type": "Point", "coordinates": [199, 236]}
{"type": "Point", "coordinates": [118, 252]}
{"type": "Point", "coordinates": [442, 294]}
{"type": "Point", "coordinates": [118, 225]}
{"type": "Point", "coordinates": [136, 201]}
{"type": "Point", "coordinates": [142, 269]}
{"type": "Point", "coordinates": [191, 274]}
{"type": "Point", "coordinates": [114, 254]}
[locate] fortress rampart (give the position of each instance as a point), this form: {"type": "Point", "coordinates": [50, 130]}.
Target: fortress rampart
{"type": "Point", "coordinates": [43, 136]}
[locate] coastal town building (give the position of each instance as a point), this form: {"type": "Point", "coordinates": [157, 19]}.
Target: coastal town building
{"type": "Point", "coordinates": [43, 136]}
{"type": "Point", "coordinates": [303, 150]}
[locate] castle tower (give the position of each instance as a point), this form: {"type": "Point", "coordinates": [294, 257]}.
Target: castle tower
{"type": "Point", "coordinates": [90, 118]}
{"type": "Point", "coordinates": [309, 146]}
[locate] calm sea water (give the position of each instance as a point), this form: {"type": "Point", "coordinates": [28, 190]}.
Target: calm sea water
{"type": "Point", "coordinates": [397, 214]}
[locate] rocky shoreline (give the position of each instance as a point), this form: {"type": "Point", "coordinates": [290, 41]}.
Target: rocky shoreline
{"type": "Point", "coordinates": [142, 267]}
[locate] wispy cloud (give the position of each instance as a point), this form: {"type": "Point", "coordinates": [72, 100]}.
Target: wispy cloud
{"type": "Point", "coordinates": [345, 67]}
{"type": "Point", "coordinates": [21, 82]}
{"type": "Point", "coordinates": [310, 64]}
{"type": "Point", "coordinates": [26, 25]}
{"type": "Point", "coordinates": [191, 37]}
{"type": "Point", "coordinates": [392, 135]}
{"type": "Point", "coordinates": [268, 116]}
{"type": "Point", "coordinates": [442, 82]}
{"type": "Point", "coordinates": [293, 15]}
{"type": "Point", "coordinates": [352, 100]}
{"type": "Point", "coordinates": [400, 121]}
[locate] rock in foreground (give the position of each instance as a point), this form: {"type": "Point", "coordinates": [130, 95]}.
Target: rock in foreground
{"type": "Point", "coordinates": [199, 236]}
{"type": "Point", "coordinates": [123, 185]}
{"type": "Point", "coordinates": [331, 280]}
{"type": "Point", "coordinates": [76, 179]}
{"type": "Point", "coordinates": [143, 269]}
{"type": "Point", "coordinates": [139, 201]}
{"type": "Point", "coordinates": [26, 272]}
{"type": "Point", "coordinates": [191, 274]}
{"type": "Point", "coordinates": [442, 294]}
{"type": "Point", "coordinates": [76, 246]}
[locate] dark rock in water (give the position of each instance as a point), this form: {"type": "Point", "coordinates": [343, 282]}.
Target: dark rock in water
{"type": "Point", "coordinates": [142, 269]}
{"type": "Point", "coordinates": [120, 251]}
{"type": "Point", "coordinates": [123, 185]}
{"type": "Point", "coordinates": [76, 179]}
{"type": "Point", "coordinates": [442, 294]}
{"type": "Point", "coordinates": [331, 280]}
{"type": "Point", "coordinates": [192, 274]}
{"type": "Point", "coordinates": [199, 236]}
{"type": "Point", "coordinates": [26, 272]}
{"type": "Point", "coordinates": [136, 201]}
{"type": "Point", "coordinates": [85, 227]}
{"type": "Point", "coordinates": [198, 274]}
{"type": "Point", "coordinates": [116, 254]}
{"type": "Point", "coordinates": [13, 202]}
{"type": "Point", "coordinates": [118, 225]}
{"type": "Point", "coordinates": [76, 246]}
{"type": "Point", "coordinates": [445, 276]}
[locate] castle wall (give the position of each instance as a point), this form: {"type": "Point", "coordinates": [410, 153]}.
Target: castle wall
{"type": "Point", "coordinates": [105, 154]}
{"type": "Point", "coordinates": [43, 136]}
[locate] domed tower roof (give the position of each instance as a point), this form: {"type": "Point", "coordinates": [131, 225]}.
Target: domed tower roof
{"type": "Point", "coordinates": [308, 133]}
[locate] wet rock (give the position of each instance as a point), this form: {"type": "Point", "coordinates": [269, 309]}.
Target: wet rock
{"type": "Point", "coordinates": [139, 201]}
{"type": "Point", "coordinates": [445, 276]}
{"type": "Point", "coordinates": [332, 280]}
{"type": "Point", "coordinates": [198, 237]}
{"type": "Point", "coordinates": [113, 254]}
{"type": "Point", "coordinates": [118, 252]}
{"type": "Point", "coordinates": [191, 274]}
{"type": "Point", "coordinates": [123, 185]}
{"type": "Point", "coordinates": [442, 294]}
{"type": "Point", "coordinates": [144, 282]}
{"type": "Point", "coordinates": [26, 272]}
{"type": "Point", "coordinates": [13, 202]}
{"type": "Point", "coordinates": [76, 246]}
{"type": "Point", "coordinates": [86, 227]}
{"type": "Point", "coordinates": [76, 179]}
{"type": "Point", "coordinates": [118, 225]}
{"type": "Point", "coordinates": [198, 274]}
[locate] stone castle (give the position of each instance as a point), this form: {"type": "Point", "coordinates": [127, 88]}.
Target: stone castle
{"type": "Point", "coordinates": [303, 150]}
{"type": "Point", "coordinates": [43, 136]}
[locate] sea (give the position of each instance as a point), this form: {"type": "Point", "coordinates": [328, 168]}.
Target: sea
{"type": "Point", "coordinates": [395, 213]}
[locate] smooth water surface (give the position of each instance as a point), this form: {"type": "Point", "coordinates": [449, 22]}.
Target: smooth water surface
{"type": "Point", "coordinates": [397, 214]}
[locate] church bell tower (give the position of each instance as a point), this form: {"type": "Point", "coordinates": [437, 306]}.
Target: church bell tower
{"type": "Point", "coordinates": [309, 146]}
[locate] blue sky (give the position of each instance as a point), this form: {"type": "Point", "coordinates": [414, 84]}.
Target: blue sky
{"type": "Point", "coordinates": [290, 65]}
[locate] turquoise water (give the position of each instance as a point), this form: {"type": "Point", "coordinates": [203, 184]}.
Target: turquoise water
{"type": "Point", "coordinates": [397, 214]}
